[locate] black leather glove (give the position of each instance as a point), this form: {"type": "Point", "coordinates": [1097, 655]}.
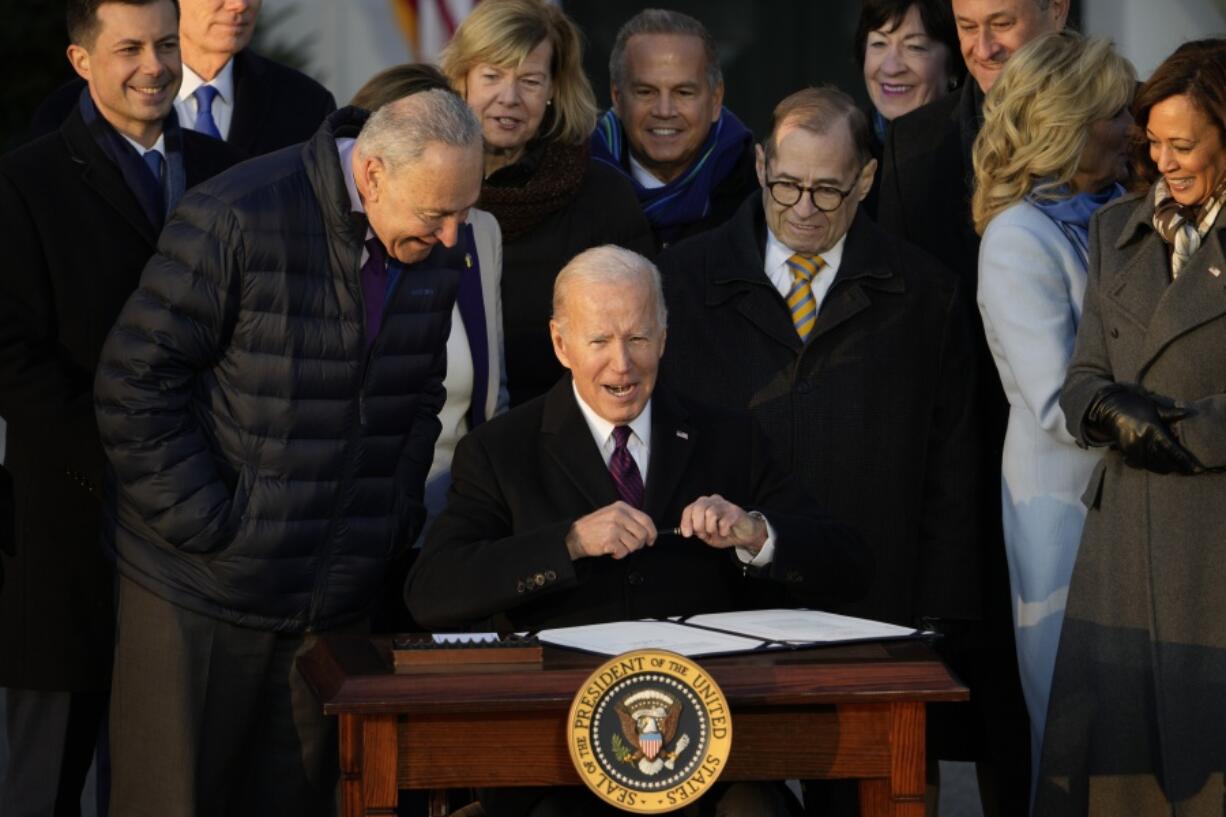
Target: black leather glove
{"type": "Point", "coordinates": [1139, 426]}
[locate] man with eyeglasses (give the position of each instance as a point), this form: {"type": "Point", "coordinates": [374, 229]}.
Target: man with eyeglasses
{"type": "Point", "coordinates": [850, 347]}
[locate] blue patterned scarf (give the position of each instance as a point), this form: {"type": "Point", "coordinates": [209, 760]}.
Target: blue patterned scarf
{"type": "Point", "coordinates": [1072, 215]}
{"type": "Point", "coordinates": [687, 198]}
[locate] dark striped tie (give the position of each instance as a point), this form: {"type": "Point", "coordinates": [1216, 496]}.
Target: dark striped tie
{"type": "Point", "coordinates": [624, 470]}
{"type": "Point", "coordinates": [800, 297]}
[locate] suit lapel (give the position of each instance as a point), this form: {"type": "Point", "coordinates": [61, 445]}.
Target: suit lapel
{"type": "Point", "coordinates": [741, 275]}
{"type": "Point", "coordinates": [567, 440]}
{"type": "Point", "coordinates": [100, 175]}
{"type": "Point", "coordinates": [672, 444]}
{"type": "Point", "coordinates": [249, 102]}
{"type": "Point", "coordinates": [1197, 296]}
{"type": "Point", "coordinates": [1143, 280]}
{"type": "Point", "coordinates": [862, 267]}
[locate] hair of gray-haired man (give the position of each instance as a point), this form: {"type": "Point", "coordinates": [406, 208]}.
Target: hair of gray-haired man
{"type": "Point", "coordinates": [817, 110]}
{"type": "Point", "coordinates": [662, 21]}
{"type": "Point", "coordinates": [399, 132]}
{"type": "Point", "coordinates": [608, 264]}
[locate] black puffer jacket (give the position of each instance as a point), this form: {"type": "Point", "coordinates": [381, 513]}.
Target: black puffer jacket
{"type": "Point", "coordinates": [268, 466]}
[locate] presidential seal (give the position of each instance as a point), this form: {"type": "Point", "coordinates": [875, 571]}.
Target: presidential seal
{"type": "Point", "coordinates": [649, 731]}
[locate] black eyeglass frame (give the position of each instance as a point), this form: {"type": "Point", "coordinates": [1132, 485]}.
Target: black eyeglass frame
{"type": "Point", "coordinates": [812, 191]}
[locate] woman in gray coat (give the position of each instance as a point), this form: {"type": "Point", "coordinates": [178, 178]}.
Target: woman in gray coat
{"type": "Point", "coordinates": [1137, 721]}
{"type": "Point", "coordinates": [1052, 150]}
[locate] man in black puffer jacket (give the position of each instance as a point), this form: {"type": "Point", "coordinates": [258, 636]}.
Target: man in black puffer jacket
{"type": "Point", "coordinates": [267, 400]}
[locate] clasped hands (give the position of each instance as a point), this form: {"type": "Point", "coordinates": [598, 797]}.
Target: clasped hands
{"type": "Point", "coordinates": [1143, 427]}
{"type": "Point", "coordinates": [619, 529]}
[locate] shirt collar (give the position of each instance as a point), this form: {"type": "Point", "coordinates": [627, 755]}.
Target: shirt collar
{"type": "Point", "coordinates": [643, 176]}
{"type": "Point", "coordinates": [223, 82]}
{"type": "Point", "coordinates": [344, 149]}
{"type": "Point", "coordinates": [602, 429]}
{"type": "Point", "coordinates": [778, 253]}
{"type": "Point", "coordinates": [141, 150]}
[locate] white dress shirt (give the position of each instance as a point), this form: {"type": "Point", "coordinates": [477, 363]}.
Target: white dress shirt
{"type": "Point", "coordinates": [639, 446]}
{"type": "Point", "coordinates": [643, 176]}
{"type": "Point", "coordinates": [780, 274]}
{"type": "Point", "coordinates": [141, 150]}
{"type": "Point", "coordinates": [223, 103]}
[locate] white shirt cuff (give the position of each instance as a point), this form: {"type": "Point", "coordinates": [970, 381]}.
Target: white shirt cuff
{"type": "Point", "coordinates": [765, 555]}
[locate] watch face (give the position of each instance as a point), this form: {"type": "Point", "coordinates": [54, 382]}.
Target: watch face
{"type": "Point", "coordinates": [649, 731]}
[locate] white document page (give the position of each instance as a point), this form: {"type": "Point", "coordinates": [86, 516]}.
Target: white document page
{"type": "Point", "coordinates": [617, 637]}
{"type": "Point", "coordinates": [800, 626]}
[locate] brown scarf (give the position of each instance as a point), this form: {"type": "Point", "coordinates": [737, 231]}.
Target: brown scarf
{"type": "Point", "coordinates": [1184, 226]}
{"type": "Point", "coordinates": [526, 193]}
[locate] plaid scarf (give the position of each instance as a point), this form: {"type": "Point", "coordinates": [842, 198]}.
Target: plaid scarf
{"type": "Point", "coordinates": [1182, 226]}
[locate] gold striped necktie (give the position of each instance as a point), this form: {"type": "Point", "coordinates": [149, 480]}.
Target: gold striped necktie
{"type": "Point", "coordinates": [800, 297]}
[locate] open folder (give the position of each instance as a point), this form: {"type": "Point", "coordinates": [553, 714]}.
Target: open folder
{"type": "Point", "coordinates": [726, 633]}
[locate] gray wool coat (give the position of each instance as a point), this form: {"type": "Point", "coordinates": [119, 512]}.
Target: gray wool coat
{"type": "Point", "coordinates": [1137, 721]}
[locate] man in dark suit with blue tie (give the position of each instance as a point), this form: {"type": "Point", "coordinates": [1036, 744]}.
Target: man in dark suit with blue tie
{"type": "Point", "coordinates": [81, 209]}
{"type": "Point", "coordinates": [228, 91]}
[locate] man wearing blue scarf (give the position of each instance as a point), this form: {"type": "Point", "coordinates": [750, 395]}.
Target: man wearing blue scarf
{"type": "Point", "coordinates": [689, 158]}
{"type": "Point", "coordinates": [81, 208]}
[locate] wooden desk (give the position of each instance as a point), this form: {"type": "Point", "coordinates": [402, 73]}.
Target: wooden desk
{"type": "Point", "coordinates": [843, 712]}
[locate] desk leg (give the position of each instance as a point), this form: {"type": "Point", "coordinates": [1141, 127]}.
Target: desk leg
{"type": "Point", "coordinates": [902, 793]}
{"type": "Point", "coordinates": [368, 765]}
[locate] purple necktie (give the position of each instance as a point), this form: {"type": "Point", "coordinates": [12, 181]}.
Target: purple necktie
{"type": "Point", "coordinates": [374, 286]}
{"type": "Point", "coordinates": [625, 472]}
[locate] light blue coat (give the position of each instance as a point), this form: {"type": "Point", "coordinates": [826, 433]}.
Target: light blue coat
{"type": "Point", "coordinates": [1031, 286]}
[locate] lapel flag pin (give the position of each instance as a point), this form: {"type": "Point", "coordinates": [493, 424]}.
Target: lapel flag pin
{"type": "Point", "coordinates": [683, 435]}
{"type": "Point", "coordinates": [1215, 272]}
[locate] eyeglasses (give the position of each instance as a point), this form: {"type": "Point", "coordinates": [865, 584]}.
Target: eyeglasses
{"type": "Point", "coordinates": [824, 197]}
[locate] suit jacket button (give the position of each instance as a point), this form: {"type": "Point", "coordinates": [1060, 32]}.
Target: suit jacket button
{"type": "Point", "coordinates": [635, 578]}
{"type": "Point", "coordinates": [551, 576]}
{"type": "Point", "coordinates": [539, 579]}
{"type": "Point", "coordinates": [519, 587]}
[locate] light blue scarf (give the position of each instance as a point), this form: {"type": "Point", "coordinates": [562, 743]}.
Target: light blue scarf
{"type": "Point", "coordinates": [1072, 215]}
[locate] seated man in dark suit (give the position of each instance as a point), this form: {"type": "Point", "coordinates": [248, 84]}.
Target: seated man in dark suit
{"type": "Point", "coordinates": [556, 511]}
{"type": "Point", "coordinates": [228, 92]}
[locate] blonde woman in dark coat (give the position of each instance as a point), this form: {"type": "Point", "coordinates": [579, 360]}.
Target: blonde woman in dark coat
{"type": "Point", "coordinates": [1137, 722]}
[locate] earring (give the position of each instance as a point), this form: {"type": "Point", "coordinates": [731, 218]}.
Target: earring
{"type": "Point", "coordinates": [548, 101]}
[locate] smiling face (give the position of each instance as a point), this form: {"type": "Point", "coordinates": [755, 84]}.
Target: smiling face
{"type": "Point", "coordinates": [132, 66]}
{"type": "Point", "coordinates": [813, 160]}
{"type": "Point", "coordinates": [667, 106]}
{"type": "Point", "coordinates": [989, 31]}
{"type": "Point", "coordinates": [217, 27]}
{"type": "Point", "coordinates": [609, 335]}
{"type": "Point", "coordinates": [423, 203]}
{"type": "Point", "coordinates": [1187, 147]}
{"type": "Point", "coordinates": [510, 101]}
{"type": "Point", "coordinates": [904, 68]}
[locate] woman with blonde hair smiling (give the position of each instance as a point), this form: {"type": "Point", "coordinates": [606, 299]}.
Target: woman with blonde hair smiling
{"type": "Point", "coordinates": [519, 65]}
{"type": "Point", "coordinates": [1053, 149]}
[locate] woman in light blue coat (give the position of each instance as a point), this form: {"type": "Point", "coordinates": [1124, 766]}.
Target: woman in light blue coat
{"type": "Point", "coordinates": [1052, 150]}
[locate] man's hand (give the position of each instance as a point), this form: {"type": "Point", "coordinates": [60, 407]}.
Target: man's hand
{"type": "Point", "coordinates": [721, 524]}
{"type": "Point", "coordinates": [615, 530]}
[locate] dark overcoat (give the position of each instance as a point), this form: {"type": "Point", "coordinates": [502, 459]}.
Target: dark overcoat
{"type": "Point", "coordinates": [872, 415]}
{"type": "Point", "coordinates": [75, 241]}
{"type": "Point", "coordinates": [521, 480]}
{"type": "Point", "coordinates": [1137, 706]}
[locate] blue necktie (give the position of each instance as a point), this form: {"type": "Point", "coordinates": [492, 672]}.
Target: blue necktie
{"type": "Point", "coordinates": [156, 164]}
{"type": "Point", "coordinates": [205, 123]}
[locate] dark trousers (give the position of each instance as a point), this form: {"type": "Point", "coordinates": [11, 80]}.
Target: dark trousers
{"type": "Point", "coordinates": [51, 741]}
{"type": "Point", "coordinates": [208, 718]}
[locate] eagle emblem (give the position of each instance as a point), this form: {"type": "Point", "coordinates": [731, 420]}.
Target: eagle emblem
{"type": "Point", "coordinates": [649, 720]}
